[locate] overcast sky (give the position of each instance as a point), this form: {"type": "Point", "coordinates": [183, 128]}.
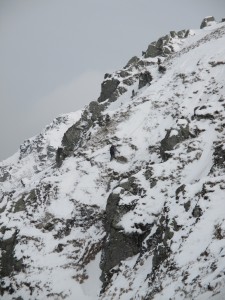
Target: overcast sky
{"type": "Point", "coordinates": [54, 53]}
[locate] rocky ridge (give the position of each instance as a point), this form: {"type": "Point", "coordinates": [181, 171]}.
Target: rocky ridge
{"type": "Point", "coordinates": [150, 224]}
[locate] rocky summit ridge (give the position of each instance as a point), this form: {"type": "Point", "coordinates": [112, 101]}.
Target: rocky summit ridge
{"type": "Point", "coordinates": [149, 224]}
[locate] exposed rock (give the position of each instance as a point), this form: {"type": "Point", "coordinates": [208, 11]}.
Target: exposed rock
{"type": "Point", "coordinates": [216, 63]}
{"type": "Point", "coordinates": [197, 212]}
{"type": "Point", "coordinates": [20, 205]}
{"type": "Point", "coordinates": [121, 159]}
{"type": "Point", "coordinates": [132, 61]}
{"type": "Point", "coordinates": [153, 51]}
{"type": "Point", "coordinates": [119, 245]}
{"type": "Point", "coordinates": [203, 113]}
{"type": "Point", "coordinates": [206, 22]}
{"type": "Point", "coordinates": [144, 79]}
{"type": "Point", "coordinates": [4, 175]}
{"type": "Point", "coordinates": [108, 87]}
{"type": "Point", "coordinates": [59, 157]}
{"type": "Point", "coordinates": [162, 69]}
{"type": "Point", "coordinates": [187, 205]}
{"type": "Point", "coordinates": [95, 109]}
{"type": "Point", "coordinates": [73, 137]}
{"type": "Point", "coordinates": [159, 241]}
{"type": "Point", "coordinates": [180, 190]}
{"type": "Point", "coordinates": [164, 47]}
{"type": "Point", "coordinates": [171, 140]}
{"type": "Point", "coordinates": [148, 175]}
{"type": "Point", "coordinates": [219, 156]}
{"type": "Point", "coordinates": [123, 73]}
{"type": "Point", "coordinates": [8, 262]}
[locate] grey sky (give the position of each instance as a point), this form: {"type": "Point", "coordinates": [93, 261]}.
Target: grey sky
{"type": "Point", "coordinates": [54, 53]}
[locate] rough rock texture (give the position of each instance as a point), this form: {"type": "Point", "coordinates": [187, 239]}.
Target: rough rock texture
{"type": "Point", "coordinates": [164, 47]}
{"type": "Point", "coordinates": [206, 21]}
{"type": "Point", "coordinates": [152, 219]}
{"type": "Point", "coordinates": [172, 138]}
{"type": "Point", "coordinates": [108, 88]}
{"type": "Point", "coordinates": [120, 245]}
{"type": "Point", "coordinates": [8, 262]}
{"type": "Point", "coordinates": [144, 79]}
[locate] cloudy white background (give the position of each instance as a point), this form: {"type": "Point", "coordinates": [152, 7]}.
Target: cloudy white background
{"type": "Point", "coordinates": [54, 53]}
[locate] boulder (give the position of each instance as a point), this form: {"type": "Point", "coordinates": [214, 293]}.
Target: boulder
{"type": "Point", "coordinates": [144, 79]}
{"type": "Point", "coordinates": [118, 244]}
{"type": "Point", "coordinates": [206, 21]}
{"type": "Point", "coordinates": [108, 87]}
{"type": "Point", "coordinates": [132, 61]}
{"type": "Point", "coordinates": [8, 262]}
{"type": "Point", "coordinates": [153, 51]}
{"type": "Point", "coordinates": [172, 138]}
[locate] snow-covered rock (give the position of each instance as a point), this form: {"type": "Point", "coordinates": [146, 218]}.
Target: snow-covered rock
{"type": "Point", "coordinates": [149, 224]}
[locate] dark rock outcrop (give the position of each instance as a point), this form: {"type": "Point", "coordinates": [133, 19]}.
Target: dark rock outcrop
{"type": "Point", "coordinates": [119, 245]}
{"type": "Point", "coordinates": [206, 21]}
{"type": "Point", "coordinates": [8, 262]}
{"type": "Point", "coordinates": [164, 47]}
{"type": "Point", "coordinates": [161, 69]}
{"type": "Point", "coordinates": [108, 87]}
{"type": "Point", "coordinates": [219, 156]}
{"type": "Point", "coordinates": [73, 137]}
{"type": "Point", "coordinates": [144, 79]}
{"type": "Point", "coordinates": [134, 60]}
{"type": "Point", "coordinates": [171, 140]}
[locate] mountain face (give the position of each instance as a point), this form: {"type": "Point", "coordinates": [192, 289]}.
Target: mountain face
{"type": "Point", "coordinates": [149, 224]}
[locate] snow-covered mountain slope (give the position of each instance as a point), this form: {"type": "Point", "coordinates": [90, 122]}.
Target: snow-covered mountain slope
{"type": "Point", "coordinates": [149, 224]}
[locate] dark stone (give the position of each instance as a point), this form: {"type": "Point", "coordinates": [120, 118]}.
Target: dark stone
{"type": "Point", "coordinates": [180, 190]}
{"type": "Point", "coordinates": [73, 137]}
{"type": "Point", "coordinates": [32, 198]}
{"type": "Point", "coordinates": [119, 245]}
{"type": "Point", "coordinates": [153, 51]}
{"type": "Point", "coordinates": [123, 73]}
{"type": "Point", "coordinates": [181, 34]}
{"type": "Point", "coordinates": [216, 63]}
{"type": "Point", "coordinates": [206, 21]}
{"type": "Point", "coordinates": [121, 159]}
{"type": "Point", "coordinates": [159, 242]}
{"type": "Point", "coordinates": [187, 33]}
{"type": "Point", "coordinates": [20, 205]}
{"type": "Point", "coordinates": [8, 261]}
{"type": "Point", "coordinates": [159, 61]}
{"type": "Point", "coordinates": [129, 81]}
{"type": "Point", "coordinates": [108, 87]}
{"type": "Point", "coordinates": [159, 48]}
{"type": "Point", "coordinates": [173, 34]}
{"type": "Point", "coordinates": [95, 109]}
{"type": "Point", "coordinates": [132, 61]}
{"type": "Point", "coordinates": [4, 176]}
{"type": "Point", "coordinates": [144, 79]}
{"type": "Point", "coordinates": [148, 175]}
{"type": "Point", "coordinates": [176, 227]}
{"type": "Point", "coordinates": [197, 212]}
{"type": "Point", "coordinates": [219, 156]}
{"type": "Point", "coordinates": [169, 142]}
{"type": "Point", "coordinates": [59, 248]}
{"type": "Point", "coordinates": [107, 75]}
{"type": "Point", "coordinates": [161, 253]}
{"type": "Point", "coordinates": [70, 139]}
{"type": "Point", "coordinates": [199, 113]}
{"type": "Point", "coordinates": [187, 205]}
{"type": "Point", "coordinates": [161, 69]}
{"type": "Point", "coordinates": [59, 157]}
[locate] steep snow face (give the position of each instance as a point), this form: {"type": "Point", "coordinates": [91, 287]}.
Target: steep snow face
{"type": "Point", "coordinates": [165, 190]}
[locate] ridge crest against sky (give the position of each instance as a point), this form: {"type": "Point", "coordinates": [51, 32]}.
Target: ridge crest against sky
{"type": "Point", "coordinates": [54, 53]}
